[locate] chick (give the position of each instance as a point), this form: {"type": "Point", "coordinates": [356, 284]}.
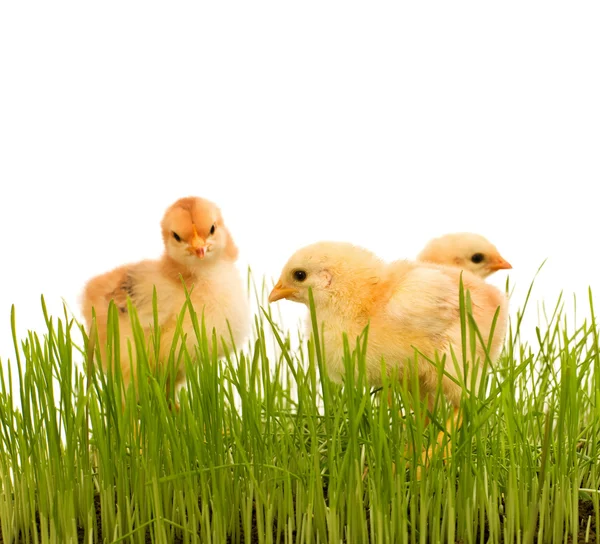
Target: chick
{"type": "Point", "coordinates": [467, 251]}
{"type": "Point", "coordinates": [198, 249]}
{"type": "Point", "coordinates": [407, 305]}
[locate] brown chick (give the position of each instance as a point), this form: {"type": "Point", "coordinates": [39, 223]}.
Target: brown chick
{"type": "Point", "coordinates": [408, 306]}
{"type": "Point", "coordinates": [199, 249]}
{"type": "Point", "coordinates": [467, 251]}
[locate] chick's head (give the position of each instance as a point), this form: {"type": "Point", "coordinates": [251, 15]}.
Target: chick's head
{"type": "Point", "coordinates": [330, 269]}
{"type": "Point", "coordinates": [467, 251]}
{"type": "Point", "coordinates": [193, 231]}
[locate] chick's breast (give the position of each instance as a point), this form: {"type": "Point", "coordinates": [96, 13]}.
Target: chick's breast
{"type": "Point", "coordinates": [219, 296]}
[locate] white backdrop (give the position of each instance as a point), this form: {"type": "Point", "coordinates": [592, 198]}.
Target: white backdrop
{"type": "Point", "coordinates": [380, 124]}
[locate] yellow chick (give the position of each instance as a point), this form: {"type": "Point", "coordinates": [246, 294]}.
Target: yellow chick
{"type": "Point", "coordinates": [467, 251]}
{"type": "Point", "coordinates": [199, 249]}
{"type": "Point", "coordinates": [407, 305]}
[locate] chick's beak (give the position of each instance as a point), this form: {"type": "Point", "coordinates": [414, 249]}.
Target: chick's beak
{"type": "Point", "coordinates": [500, 264]}
{"type": "Point", "coordinates": [197, 245]}
{"type": "Point", "coordinates": [279, 292]}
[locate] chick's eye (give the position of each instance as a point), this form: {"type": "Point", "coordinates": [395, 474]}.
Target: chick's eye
{"type": "Point", "coordinates": [477, 258]}
{"type": "Point", "coordinates": [212, 229]}
{"type": "Point", "coordinates": [177, 237]}
{"type": "Point", "coordinates": [299, 275]}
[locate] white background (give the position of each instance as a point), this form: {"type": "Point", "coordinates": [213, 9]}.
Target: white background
{"type": "Point", "coordinates": [375, 123]}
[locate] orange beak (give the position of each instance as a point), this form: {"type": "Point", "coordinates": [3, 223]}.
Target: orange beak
{"type": "Point", "coordinates": [499, 264]}
{"type": "Point", "coordinates": [279, 292]}
{"type": "Point", "coordinates": [197, 245]}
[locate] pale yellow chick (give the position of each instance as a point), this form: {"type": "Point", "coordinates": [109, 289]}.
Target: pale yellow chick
{"type": "Point", "coordinates": [467, 251]}
{"type": "Point", "coordinates": [407, 305]}
{"type": "Point", "coordinates": [199, 249]}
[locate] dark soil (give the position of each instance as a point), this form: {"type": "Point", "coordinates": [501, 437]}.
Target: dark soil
{"type": "Point", "coordinates": [586, 514]}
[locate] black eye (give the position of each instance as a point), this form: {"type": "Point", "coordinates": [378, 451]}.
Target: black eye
{"type": "Point", "coordinates": [212, 229]}
{"type": "Point", "coordinates": [177, 237]}
{"type": "Point", "coordinates": [299, 275]}
{"type": "Point", "coordinates": [477, 258]}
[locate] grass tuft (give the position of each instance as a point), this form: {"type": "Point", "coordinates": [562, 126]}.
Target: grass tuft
{"type": "Point", "coordinates": [265, 448]}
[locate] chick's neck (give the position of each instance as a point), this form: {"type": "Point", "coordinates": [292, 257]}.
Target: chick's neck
{"type": "Point", "coordinates": [175, 270]}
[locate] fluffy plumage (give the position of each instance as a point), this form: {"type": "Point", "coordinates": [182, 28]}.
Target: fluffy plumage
{"type": "Point", "coordinates": [407, 305]}
{"type": "Point", "coordinates": [467, 251]}
{"type": "Point", "coordinates": [199, 249]}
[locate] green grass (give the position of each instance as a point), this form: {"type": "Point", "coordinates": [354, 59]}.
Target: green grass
{"type": "Point", "coordinates": [266, 449]}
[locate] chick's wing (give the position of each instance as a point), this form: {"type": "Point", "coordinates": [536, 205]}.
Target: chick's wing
{"type": "Point", "coordinates": [424, 303]}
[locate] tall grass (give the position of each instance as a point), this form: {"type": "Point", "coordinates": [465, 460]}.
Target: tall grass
{"type": "Point", "coordinates": [265, 448]}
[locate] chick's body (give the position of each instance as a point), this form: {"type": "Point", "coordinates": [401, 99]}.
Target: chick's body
{"type": "Point", "coordinates": [206, 263]}
{"type": "Point", "coordinates": [407, 306]}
